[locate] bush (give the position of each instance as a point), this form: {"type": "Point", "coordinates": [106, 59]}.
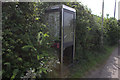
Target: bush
{"type": "Point", "coordinates": [26, 43]}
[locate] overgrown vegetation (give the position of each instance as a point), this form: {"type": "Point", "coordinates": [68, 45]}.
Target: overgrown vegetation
{"type": "Point", "coordinates": [26, 41]}
{"type": "Point", "coordinates": [95, 60]}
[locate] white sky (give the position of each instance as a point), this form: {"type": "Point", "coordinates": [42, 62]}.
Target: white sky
{"type": "Point", "coordinates": [96, 7]}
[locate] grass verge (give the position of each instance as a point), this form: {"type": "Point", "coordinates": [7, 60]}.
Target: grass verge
{"type": "Point", "coordinates": [93, 61]}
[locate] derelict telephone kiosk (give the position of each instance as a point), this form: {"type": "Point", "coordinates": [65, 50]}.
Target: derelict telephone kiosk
{"type": "Point", "coordinates": [61, 23]}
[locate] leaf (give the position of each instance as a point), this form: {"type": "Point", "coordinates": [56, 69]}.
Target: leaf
{"type": "Point", "coordinates": [19, 59]}
{"type": "Point", "coordinates": [46, 35]}
{"type": "Point", "coordinates": [27, 47]}
{"type": "Point", "coordinates": [14, 73]}
{"type": "Point", "coordinates": [7, 63]}
{"type": "Point", "coordinates": [89, 28]}
{"type": "Point", "coordinates": [37, 18]}
{"type": "Point", "coordinates": [45, 71]}
{"type": "Point", "coordinates": [38, 57]}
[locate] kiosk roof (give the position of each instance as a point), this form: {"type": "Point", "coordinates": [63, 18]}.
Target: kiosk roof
{"type": "Point", "coordinates": [62, 6]}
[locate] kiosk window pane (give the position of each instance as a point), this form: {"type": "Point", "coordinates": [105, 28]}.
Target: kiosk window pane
{"type": "Point", "coordinates": [68, 27]}
{"type": "Point", "coordinates": [53, 20]}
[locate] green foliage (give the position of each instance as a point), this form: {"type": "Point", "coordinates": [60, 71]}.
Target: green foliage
{"type": "Point", "coordinates": [88, 32]}
{"type": "Point", "coordinates": [25, 41]}
{"type": "Point", "coordinates": [112, 31]}
{"type": "Point", "coordinates": [93, 61]}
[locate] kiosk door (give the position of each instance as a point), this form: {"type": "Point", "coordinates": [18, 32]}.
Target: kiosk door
{"type": "Point", "coordinates": [68, 29]}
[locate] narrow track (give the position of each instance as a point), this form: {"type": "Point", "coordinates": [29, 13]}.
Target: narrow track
{"type": "Point", "coordinates": [111, 68]}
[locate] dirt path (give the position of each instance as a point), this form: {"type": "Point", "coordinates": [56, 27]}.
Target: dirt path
{"type": "Point", "coordinates": [111, 68]}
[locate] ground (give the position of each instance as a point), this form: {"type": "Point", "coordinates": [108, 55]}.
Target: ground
{"type": "Point", "coordinates": [110, 68]}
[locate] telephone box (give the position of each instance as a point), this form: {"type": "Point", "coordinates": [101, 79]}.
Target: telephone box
{"type": "Point", "coordinates": [61, 23]}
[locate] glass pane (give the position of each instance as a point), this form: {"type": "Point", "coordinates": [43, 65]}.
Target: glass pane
{"type": "Point", "coordinates": [53, 20]}
{"type": "Point", "coordinates": [68, 27]}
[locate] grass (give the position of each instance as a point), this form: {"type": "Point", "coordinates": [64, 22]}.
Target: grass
{"type": "Point", "coordinates": [93, 61]}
